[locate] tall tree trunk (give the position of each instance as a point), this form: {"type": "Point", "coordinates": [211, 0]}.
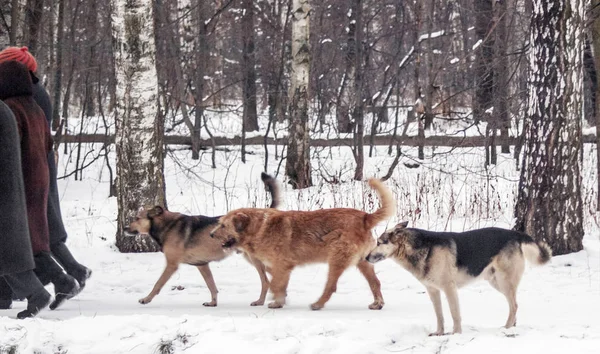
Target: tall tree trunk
{"type": "Point", "coordinates": [297, 166]}
{"type": "Point", "coordinates": [250, 115]}
{"type": "Point", "coordinates": [501, 73]}
{"type": "Point", "coordinates": [33, 18]}
{"type": "Point", "coordinates": [139, 130]}
{"type": "Point", "coordinates": [14, 21]}
{"type": "Point", "coordinates": [347, 97]}
{"type": "Point", "coordinates": [483, 66]}
{"type": "Point", "coordinates": [595, 16]}
{"type": "Point", "coordinates": [357, 88]}
{"type": "Point", "coordinates": [549, 203]}
{"type": "Point", "coordinates": [58, 71]}
{"type": "Point", "coordinates": [201, 56]}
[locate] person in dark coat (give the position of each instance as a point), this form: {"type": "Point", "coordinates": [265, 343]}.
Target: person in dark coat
{"type": "Point", "coordinates": [16, 256]}
{"type": "Point", "coordinates": [16, 90]}
{"type": "Point", "coordinates": [57, 231]}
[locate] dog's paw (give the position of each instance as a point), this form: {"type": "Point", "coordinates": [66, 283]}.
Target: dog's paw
{"type": "Point", "coordinates": [377, 305]}
{"type": "Point", "coordinates": [210, 304]}
{"type": "Point", "coordinates": [316, 306]}
{"type": "Point", "coordinates": [437, 334]}
{"type": "Point", "coordinates": [144, 301]}
{"type": "Point", "coordinates": [275, 305]}
{"type": "Point", "coordinates": [257, 303]}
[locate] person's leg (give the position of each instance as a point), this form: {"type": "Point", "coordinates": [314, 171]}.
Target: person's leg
{"type": "Point", "coordinates": [48, 269]}
{"type": "Point", "coordinates": [27, 285]}
{"type": "Point", "coordinates": [5, 295]}
{"type": "Point", "coordinates": [58, 234]}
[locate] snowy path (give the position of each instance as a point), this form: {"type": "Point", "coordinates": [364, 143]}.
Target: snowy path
{"type": "Point", "coordinates": [559, 312]}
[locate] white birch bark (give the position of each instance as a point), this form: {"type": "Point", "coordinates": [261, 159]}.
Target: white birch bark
{"type": "Point", "coordinates": [298, 159]}
{"type": "Point", "coordinates": [139, 131]}
{"type": "Point", "coordinates": [549, 205]}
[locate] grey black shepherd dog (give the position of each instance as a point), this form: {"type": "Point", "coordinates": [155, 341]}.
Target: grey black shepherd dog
{"type": "Point", "coordinates": [446, 261]}
{"type": "Point", "coordinates": [185, 239]}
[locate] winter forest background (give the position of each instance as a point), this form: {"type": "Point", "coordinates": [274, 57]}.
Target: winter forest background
{"type": "Point", "coordinates": [476, 113]}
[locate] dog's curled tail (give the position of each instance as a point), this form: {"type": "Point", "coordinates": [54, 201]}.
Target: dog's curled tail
{"type": "Point", "coordinates": [272, 186]}
{"type": "Point", "coordinates": [536, 252]}
{"type": "Point", "coordinates": [388, 204]}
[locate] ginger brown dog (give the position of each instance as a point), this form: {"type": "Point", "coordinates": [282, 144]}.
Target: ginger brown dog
{"type": "Point", "coordinates": [185, 239]}
{"type": "Point", "coordinates": [283, 240]}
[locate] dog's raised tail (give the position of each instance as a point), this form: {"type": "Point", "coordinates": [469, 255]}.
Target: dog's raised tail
{"type": "Point", "coordinates": [536, 252]}
{"type": "Point", "coordinates": [388, 204]}
{"type": "Point", "coordinates": [272, 186]}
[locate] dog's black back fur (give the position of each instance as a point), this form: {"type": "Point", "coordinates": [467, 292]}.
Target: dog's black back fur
{"type": "Point", "coordinates": [186, 225]}
{"type": "Point", "coordinates": [474, 249]}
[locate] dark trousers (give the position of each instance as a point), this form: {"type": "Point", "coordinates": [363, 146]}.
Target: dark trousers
{"type": "Point", "coordinates": [23, 284]}
{"type": "Point", "coordinates": [58, 234]}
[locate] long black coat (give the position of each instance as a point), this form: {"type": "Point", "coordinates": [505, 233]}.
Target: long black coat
{"type": "Point", "coordinates": [56, 227]}
{"type": "Point", "coordinates": [16, 90]}
{"type": "Point", "coordinates": [15, 244]}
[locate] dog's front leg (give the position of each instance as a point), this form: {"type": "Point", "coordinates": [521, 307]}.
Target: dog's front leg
{"type": "Point", "coordinates": [165, 276]}
{"type": "Point", "coordinates": [452, 295]}
{"type": "Point", "coordinates": [210, 282]}
{"type": "Point", "coordinates": [436, 299]}
{"type": "Point", "coordinates": [279, 284]}
{"type": "Point", "coordinates": [264, 282]}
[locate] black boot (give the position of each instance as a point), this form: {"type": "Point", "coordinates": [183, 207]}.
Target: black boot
{"type": "Point", "coordinates": [35, 303]}
{"type": "Point", "coordinates": [63, 255]}
{"type": "Point", "coordinates": [65, 286]}
{"type": "Point", "coordinates": [27, 285]}
{"type": "Point", "coordinates": [5, 295]}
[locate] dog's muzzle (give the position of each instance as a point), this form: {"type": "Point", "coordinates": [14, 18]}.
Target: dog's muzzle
{"type": "Point", "coordinates": [229, 243]}
{"type": "Point", "coordinates": [133, 233]}
{"type": "Point", "coordinates": [374, 258]}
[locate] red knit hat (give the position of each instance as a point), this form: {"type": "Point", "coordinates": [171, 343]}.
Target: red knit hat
{"type": "Point", "coordinates": [21, 55]}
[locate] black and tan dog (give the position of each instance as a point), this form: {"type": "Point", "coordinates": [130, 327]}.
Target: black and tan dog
{"type": "Point", "coordinates": [185, 239]}
{"type": "Point", "coordinates": [446, 261]}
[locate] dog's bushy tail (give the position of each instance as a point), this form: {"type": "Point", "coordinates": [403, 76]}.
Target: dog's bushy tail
{"type": "Point", "coordinates": [388, 204]}
{"type": "Point", "coordinates": [272, 186]}
{"type": "Point", "coordinates": [536, 252]}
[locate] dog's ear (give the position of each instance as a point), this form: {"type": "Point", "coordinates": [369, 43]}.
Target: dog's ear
{"type": "Point", "coordinates": [241, 221]}
{"type": "Point", "coordinates": [156, 211]}
{"type": "Point", "coordinates": [401, 225]}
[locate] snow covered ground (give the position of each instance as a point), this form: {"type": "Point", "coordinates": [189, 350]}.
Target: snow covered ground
{"type": "Point", "coordinates": [559, 303]}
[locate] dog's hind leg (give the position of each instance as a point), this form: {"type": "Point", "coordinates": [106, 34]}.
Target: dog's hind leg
{"type": "Point", "coordinates": [336, 268]}
{"type": "Point", "coordinates": [279, 283]}
{"type": "Point", "coordinates": [506, 281]}
{"type": "Point", "coordinates": [210, 282]}
{"type": "Point", "coordinates": [368, 270]}
{"type": "Point", "coordinates": [165, 276]}
{"type": "Point", "coordinates": [451, 292]}
{"type": "Point", "coordinates": [436, 299]}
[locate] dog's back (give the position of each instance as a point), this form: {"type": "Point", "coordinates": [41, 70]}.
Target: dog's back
{"type": "Point", "coordinates": [475, 249]}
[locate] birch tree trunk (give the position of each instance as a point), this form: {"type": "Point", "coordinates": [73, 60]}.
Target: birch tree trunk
{"type": "Point", "coordinates": [298, 158]}
{"type": "Point", "coordinates": [595, 14]}
{"type": "Point", "coordinates": [139, 129]}
{"type": "Point", "coordinates": [549, 203]}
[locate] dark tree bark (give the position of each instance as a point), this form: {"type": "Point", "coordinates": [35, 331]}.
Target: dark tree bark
{"type": "Point", "coordinates": [58, 71]}
{"type": "Point", "coordinates": [483, 66]}
{"type": "Point", "coordinates": [549, 203]}
{"type": "Point", "coordinates": [33, 18]}
{"type": "Point", "coordinates": [250, 116]}
{"type": "Point", "coordinates": [358, 112]}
